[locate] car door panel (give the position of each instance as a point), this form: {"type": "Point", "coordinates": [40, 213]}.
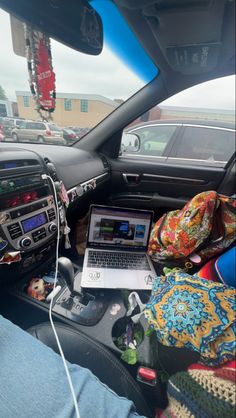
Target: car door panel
{"type": "Point", "coordinates": [24, 134]}
{"type": "Point", "coordinates": [28, 132]}
{"type": "Point", "coordinates": [148, 201]}
{"type": "Point", "coordinates": [152, 184]}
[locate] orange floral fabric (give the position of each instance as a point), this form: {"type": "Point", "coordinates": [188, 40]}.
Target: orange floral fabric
{"type": "Point", "coordinates": [206, 225]}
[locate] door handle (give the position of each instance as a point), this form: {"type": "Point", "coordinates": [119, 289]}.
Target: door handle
{"type": "Point", "coordinates": [131, 178]}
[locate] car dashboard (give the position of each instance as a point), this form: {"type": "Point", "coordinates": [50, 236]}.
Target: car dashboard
{"type": "Point", "coordinates": [74, 166]}
{"type": "Point", "coordinates": [29, 232]}
{"type": "Point", "coordinates": [25, 194]}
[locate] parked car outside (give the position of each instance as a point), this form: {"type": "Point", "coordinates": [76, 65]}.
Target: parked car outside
{"type": "Point", "coordinates": [1, 119]}
{"type": "Point", "coordinates": [17, 121]}
{"type": "Point", "coordinates": [7, 125]}
{"type": "Point", "coordinates": [199, 141]}
{"type": "Point", "coordinates": [2, 136]}
{"type": "Point", "coordinates": [40, 132]}
{"type": "Point", "coordinates": [69, 135]}
{"type": "Point", "coordinates": [80, 132]}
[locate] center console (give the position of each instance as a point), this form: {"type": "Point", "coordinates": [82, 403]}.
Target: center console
{"type": "Point", "coordinates": [28, 236]}
{"type": "Point", "coordinates": [28, 224]}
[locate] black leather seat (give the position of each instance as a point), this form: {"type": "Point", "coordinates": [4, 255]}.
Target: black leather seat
{"type": "Point", "coordinates": [82, 350]}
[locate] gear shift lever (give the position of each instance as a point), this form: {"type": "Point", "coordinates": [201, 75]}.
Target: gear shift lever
{"type": "Point", "coordinates": [66, 269]}
{"type": "Point", "coordinates": [80, 307]}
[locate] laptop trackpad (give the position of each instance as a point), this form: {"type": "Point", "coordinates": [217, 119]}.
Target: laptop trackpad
{"type": "Point", "coordinates": [117, 279]}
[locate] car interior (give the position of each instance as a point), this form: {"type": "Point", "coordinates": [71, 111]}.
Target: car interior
{"type": "Point", "coordinates": [188, 43]}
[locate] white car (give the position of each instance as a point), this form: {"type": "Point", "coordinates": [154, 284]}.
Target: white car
{"type": "Point", "coordinates": [187, 141]}
{"type": "Point", "coordinates": [42, 132]}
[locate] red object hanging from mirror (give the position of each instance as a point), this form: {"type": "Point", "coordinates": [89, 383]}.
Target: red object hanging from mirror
{"type": "Point", "coordinates": [45, 78]}
{"type": "Point", "coordinates": [41, 74]}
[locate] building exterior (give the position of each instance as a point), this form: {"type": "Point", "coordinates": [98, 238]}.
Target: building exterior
{"type": "Point", "coordinates": [161, 112]}
{"type": "Point", "coordinates": [179, 112]}
{"type": "Point", "coordinates": [84, 110]}
{"type": "Point", "coordinates": [5, 108]}
{"type": "Point", "coordinates": [15, 109]}
{"type": "Point", "coordinates": [152, 114]}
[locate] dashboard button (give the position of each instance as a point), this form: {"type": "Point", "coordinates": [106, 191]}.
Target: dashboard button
{"type": "Point", "coordinates": [52, 227]}
{"type": "Point", "coordinates": [25, 242]}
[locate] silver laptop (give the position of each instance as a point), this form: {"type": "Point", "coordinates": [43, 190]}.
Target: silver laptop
{"type": "Point", "coordinates": [115, 257]}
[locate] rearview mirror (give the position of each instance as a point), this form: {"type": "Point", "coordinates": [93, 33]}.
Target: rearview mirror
{"type": "Point", "coordinates": [130, 142]}
{"type": "Point", "coordinates": [73, 23]}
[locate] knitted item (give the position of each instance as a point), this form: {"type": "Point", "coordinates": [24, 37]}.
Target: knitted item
{"type": "Point", "coordinates": [201, 393]}
{"type": "Point", "coordinates": [177, 410]}
{"type": "Point", "coordinates": [229, 365]}
{"type": "Point", "coordinates": [226, 374]}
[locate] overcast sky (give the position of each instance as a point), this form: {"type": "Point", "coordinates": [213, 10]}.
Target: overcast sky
{"type": "Point", "coordinates": [105, 74]}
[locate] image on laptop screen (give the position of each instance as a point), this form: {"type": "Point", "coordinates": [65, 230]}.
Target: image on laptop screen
{"type": "Point", "coordinates": [110, 226]}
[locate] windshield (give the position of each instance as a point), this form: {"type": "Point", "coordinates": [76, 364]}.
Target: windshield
{"type": "Point", "coordinates": [88, 88]}
{"type": "Point", "coordinates": [8, 122]}
{"type": "Point", "coordinates": [69, 131]}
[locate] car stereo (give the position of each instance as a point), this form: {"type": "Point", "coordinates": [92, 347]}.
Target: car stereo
{"type": "Point", "coordinates": [29, 225]}
{"type": "Point", "coordinates": [27, 209]}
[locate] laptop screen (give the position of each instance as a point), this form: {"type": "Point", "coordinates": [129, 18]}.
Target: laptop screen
{"type": "Point", "coordinates": [119, 227]}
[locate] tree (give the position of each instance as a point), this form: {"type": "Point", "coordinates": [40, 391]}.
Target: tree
{"type": "Point", "coordinates": [2, 94]}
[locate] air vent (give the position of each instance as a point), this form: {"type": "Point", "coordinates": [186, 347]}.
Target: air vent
{"type": "Point", "coordinates": [51, 169]}
{"type": "Point", "coordinates": [105, 163]}
{"type": "Point", "coordinates": [14, 230]}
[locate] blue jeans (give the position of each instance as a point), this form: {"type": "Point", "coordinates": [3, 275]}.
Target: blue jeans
{"type": "Point", "coordinates": [33, 382]}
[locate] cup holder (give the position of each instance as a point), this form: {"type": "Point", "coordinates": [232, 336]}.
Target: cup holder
{"type": "Point", "coordinates": [126, 334]}
{"type": "Point", "coordinates": [40, 286]}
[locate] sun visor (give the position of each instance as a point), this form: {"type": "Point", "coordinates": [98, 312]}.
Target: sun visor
{"type": "Point", "coordinates": [74, 23]}
{"type": "Point", "coordinates": [203, 49]}
{"type": "Point", "coordinates": [18, 37]}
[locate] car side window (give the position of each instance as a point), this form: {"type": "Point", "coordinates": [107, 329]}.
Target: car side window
{"type": "Point", "coordinates": [209, 144]}
{"type": "Point", "coordinates": [31, 125]}
{"type": "Point", "coordinates": [153, 139]}
{"type": "Point", "coordinates": [23, 125]}
{"type": "Point", "coordinates": [39, 126]}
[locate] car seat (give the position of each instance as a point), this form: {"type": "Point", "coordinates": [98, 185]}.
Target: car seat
{"type": "Point", "coordinates": [79, 349]}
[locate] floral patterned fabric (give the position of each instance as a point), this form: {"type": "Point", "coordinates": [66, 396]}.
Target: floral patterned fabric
{"type": "Point", "coordinates": [206, 226]}
{"type": "Point", "coordinates": [194, 313]}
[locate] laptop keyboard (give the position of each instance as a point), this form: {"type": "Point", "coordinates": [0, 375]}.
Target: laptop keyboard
{"type": "Point", "coordinates": [117, 260]}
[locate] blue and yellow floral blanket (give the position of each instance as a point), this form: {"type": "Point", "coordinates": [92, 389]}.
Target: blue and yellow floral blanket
{"type": "Point", "coordinates": [194, 313]}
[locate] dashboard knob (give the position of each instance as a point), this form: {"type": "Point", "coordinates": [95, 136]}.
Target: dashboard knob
{"type": "Point", "coordinates": [25, 242]}
{"type": "Point", "coordinates": [52, 227]}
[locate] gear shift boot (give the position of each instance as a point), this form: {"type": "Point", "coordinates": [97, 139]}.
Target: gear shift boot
{"type": "Point", "coordinates": [74, 303]}
{"type": "Point", "coordinates": [86, 309]}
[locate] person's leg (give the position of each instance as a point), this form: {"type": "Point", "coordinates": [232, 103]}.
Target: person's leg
{"type": "Point", "coordinates": [34, 384]}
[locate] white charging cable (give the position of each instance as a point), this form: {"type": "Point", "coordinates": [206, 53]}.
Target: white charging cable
{"type": "Point", "coordinates": [45, 176]}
